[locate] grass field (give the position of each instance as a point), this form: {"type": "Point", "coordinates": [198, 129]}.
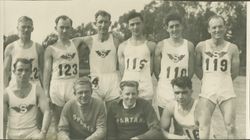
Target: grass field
{"type": "Point", "coordinates": [217, 124]}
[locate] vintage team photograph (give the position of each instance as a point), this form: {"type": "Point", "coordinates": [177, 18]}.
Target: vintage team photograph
{"type": "Point", "coordinates": [124, 69]}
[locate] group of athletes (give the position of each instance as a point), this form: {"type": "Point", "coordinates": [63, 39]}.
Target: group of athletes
{"type": "Point", "coordinates": [116, 99]}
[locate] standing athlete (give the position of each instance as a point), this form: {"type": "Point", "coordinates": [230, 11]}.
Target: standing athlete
{"type": "Point", "coordinates": [103, 59]}
{"type": "Point", "coordinates": [21, 101]}
{"type": "Point", "coordinates": [61, 67]}
{"type": "Point", "coordinates": [174, 57]}
{"type": "Point", "coordinates": [24, 48]}
{"type": "Point", "coordinates": [217, 65]}
{"type": "Point", "coordinates": [136, 57]}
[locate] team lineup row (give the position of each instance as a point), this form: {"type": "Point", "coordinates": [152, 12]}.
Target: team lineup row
{"type": "Point", "coordinates": [120, 72]}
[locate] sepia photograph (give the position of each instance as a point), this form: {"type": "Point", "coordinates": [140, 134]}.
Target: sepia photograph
{"type": "Point", "coordinates": [124, 69]}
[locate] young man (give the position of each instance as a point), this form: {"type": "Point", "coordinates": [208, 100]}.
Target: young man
{"type": "Point", "coordinates": [131, 117]}
{"type": "Point", "coordinates": [174, 57]}
{"type": "Point", "coordinates": [24, 47]}
{"type": "Point", "coordinates": [136, 57]}
{"type": "Point", "coordinates": [217, 65]}
{"type": "Point", "coordinates": [182, 110]}
{"type": "Point", "coordinates": [83, 117]}
{"type": "Point", "coordinates": [21, 101]}
{"type": "Point", "coordinates": [61, 67]}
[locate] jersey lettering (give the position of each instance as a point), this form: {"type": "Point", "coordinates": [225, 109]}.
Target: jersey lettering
{"type": "Point", "coordinates": [176, 72]}
{"type": "Point", "coordinates": [67, 69]}
{"type": "Point", "coordinates": [135, 64]}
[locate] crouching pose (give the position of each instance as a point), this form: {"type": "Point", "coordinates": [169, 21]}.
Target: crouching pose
{"type": "Point", "coordinates": [131, 117]}
{"type": "Point", "coordinates": [83, 117]}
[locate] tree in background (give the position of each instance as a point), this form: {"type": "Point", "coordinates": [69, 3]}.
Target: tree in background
{"type": "Point", "coordinates": [195, 15]}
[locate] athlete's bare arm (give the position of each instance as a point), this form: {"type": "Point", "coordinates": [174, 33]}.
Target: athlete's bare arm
{"type": "Point", "coordinates": [5, 113]}
{"type": "Point", "coordinates": [40, 52]}
{"type": "Point", "coordinates": [167, 115]}
{"type": "Point", "coordinates": [121, 58]}
{"type": "Point", "coordinates": [151, 45]}
{"type": "Point", "coordinates": [198, 60]}
{"type": "Point", "coordinates": [44, 105]}
{"type": "Point", "coordinates": [116, 44]}
{"type": "Point", "coordinates": [235, 62]}
{"type": "Point", "coordinates": [157, 59]}
{"type": "Point", "coordinates": [7, 64]}
{"type": "Point", "coordinates": [48, 60]}
{"type": "Point", "coordinates": [191, 59]}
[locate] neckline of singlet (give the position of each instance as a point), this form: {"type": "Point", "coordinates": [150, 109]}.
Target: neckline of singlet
{"type": "Point", "coordinates": [130, 43]}
{"type": "Point", "coordinates": [183, 44]}
{"type": "Point", "coordinates": [191, 110]}
{"type": "Point", "coordinates": [27, 96]}
{"type": "Point", "coordinates": [19, 46]}
{"type": "Point", "coordinates": [225, 48]}
{"type": "Point", "coordinates": [96, 38]}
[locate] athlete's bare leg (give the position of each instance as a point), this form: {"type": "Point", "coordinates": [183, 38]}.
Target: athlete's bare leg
{"type": "Point", "coordinates": [205, 109]}
{"type": "Point", "coordinates": [229, 115]}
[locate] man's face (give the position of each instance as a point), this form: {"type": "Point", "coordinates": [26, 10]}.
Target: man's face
{"type": "Point", "coordinates": [83, 93]}
{"type": "Point", "coordinates": [216, 28]}
{"type": "Point", "coordinates": [136, 26]}
{"type": "Point", "coordinates": [102, 24]}
{"type": "Point", "coordinates": [25, 28]}
{"type": "Point", "coordinates": [174, 28]}
{"type": "Point", "coordinates": [64, 28]}
{"type": "Point", "coordinates": [129, 95]}
{"type": "Point", "coordinates": [22, 72]}
{"type": "Point", "coordinates": [182, 95]}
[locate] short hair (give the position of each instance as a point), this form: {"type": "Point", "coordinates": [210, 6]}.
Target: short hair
{"type": "Point", "coordinates": [173, 16]}
{"type": "Point", "coordinates": [64, 17]}
{"type": "Point", "coordinates": [102, 13]}
{"type": "Point", "coordinates": [23, 60]}
{"type": "Point", "coordinates": [82, 81]}
{"type": "Point", "coordinates": [216, 17]}
{"type": "Point", "coordinates": [129, 84]}
{"type": "Point", "coordinates": [182, 82]}
{"type": "Point", "coordinates": [24, 18]}
{"type": "Point", "coordinates": [134, 15]}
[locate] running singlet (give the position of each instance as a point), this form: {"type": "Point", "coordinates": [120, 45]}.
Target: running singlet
{"type": "Point", "coordinates": [65, 63]}
{"type": "Point", "coordinates": [187, 122]}
{"type": "Point", "coordinates": [137, 62]}
{"type": "Point", "coordinates": [30, 54]}
{"type": "Point", "coordinates": [22, 111]}
{"type": "Point", "coordinates": [102, 57]}
{"type": "Point", "coordinates": [216, 63]}
{"type": "Point", "coordinates": [174, 62]}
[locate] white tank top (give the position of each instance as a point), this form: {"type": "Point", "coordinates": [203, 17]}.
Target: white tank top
{"type": "Point", "coordinates": [30, 54]}
{"type": "Point", "coordinates": [65, 63]}
{"type": "Point", "coordinates": [216, 62]}
{"type": "Point", "coordinates": [102, 57]}
{"type": "Point", "coordinates": [187, 121]}
{"type": "Point", "coordinates": [216, 68]}
{"type": "Point", "coordinates": [137, 62]}
{"type": "Point", "coordinates": [22, 111]}
{"type": "Point", "coordinates": [174, 62]}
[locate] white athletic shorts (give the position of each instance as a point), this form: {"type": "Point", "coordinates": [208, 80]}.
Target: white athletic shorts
{"type": "Point", "coordinates": [105, 86]}
{"type": "Point", "coordinates": [61, 91]}
{"type": "Point", "coordinates": [164, 93]}
{"type": "Point", "coordinates": [217, 91]}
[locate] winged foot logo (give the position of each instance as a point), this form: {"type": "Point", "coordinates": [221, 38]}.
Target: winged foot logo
{"type": "Point", "coordinates": [176, 58]}
{"type": "Point", "coordinates": [68, 56]}
{"type": "Point", "coordinates": [215, 54]}
{"type": "Point", "coordinates": [102, 53]}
